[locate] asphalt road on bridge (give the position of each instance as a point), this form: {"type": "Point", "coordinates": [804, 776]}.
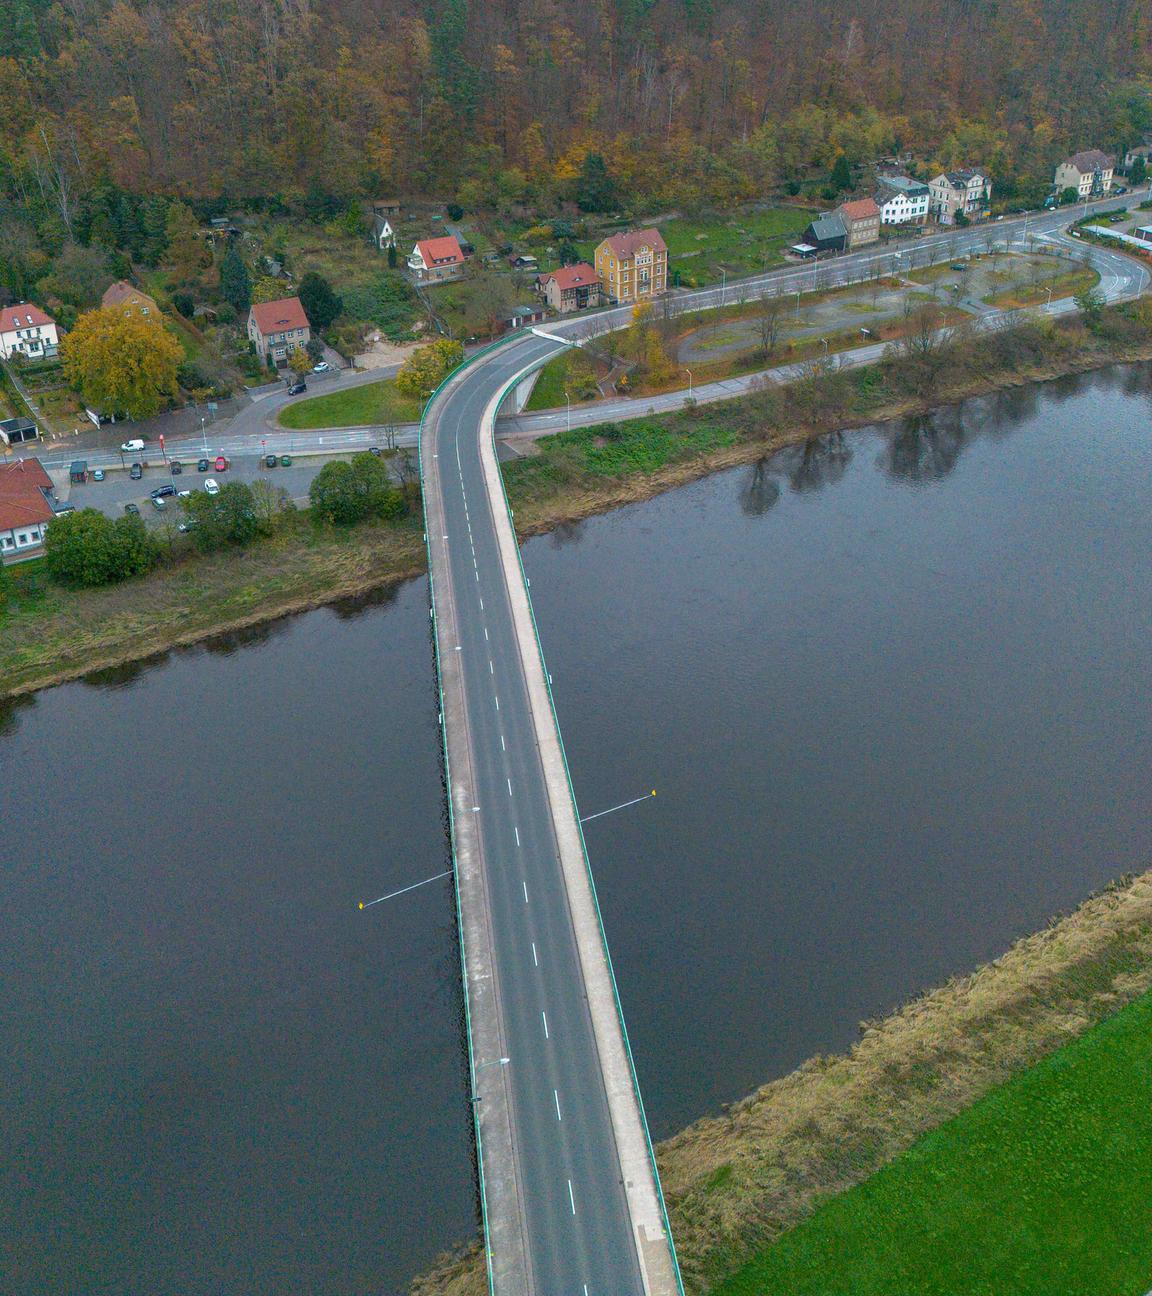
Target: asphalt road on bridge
{"type": "Point", "coordinates": [575, 1217]}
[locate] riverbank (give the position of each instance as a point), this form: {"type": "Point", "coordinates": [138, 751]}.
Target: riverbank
{"type": "Point", "coordinates": [50, 635]}
{"type": "Point", "coordinates": [736, 1182]}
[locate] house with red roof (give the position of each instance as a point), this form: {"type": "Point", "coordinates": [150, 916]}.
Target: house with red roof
{"type": "Point", "coordinates": [632, 266]}
{"type": "Point", "coordinates": [571, 288]}
{"type": "Point", "coordinates": [27, 330]}
{"type": "Point", "coordinates": [26, 506]}
{"type": "Point", "coordinates": [861, 219]}
{"type": "Point", "coordinates": [277, 328]}
{"type": "Point", "coordinates": [436, 260]}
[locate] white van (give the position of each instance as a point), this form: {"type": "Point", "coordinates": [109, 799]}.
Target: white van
{"type": "Point", "coordinates": [132, 447]}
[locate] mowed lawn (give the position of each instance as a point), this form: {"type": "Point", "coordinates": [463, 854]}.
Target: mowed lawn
{"type": "Point", "coordinates": [377, 402]}
{"type": "Point", "coordinates": [1043, 1188]}
{"type": "Point", "coordinates": [702, 247]}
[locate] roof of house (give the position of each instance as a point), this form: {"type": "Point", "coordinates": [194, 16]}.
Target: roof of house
{"type": "Point", "coordinates": [23, 316]}
{"type": "Point", "coordinates": [828, 227]}
{"type": "Point", "coordinates": [1089, 160]}
{"type": "Point", "coordinates": [440, 251]}
{"type": "Point", "coordinates": [859, 209]}
{"type": "Point", "coordinates": [380, 222]}
{"type": "Point", "coordinates": [961, 177]}
{"type": "Point", "coordinates": [277, 316]}
{"type": "Point", "coordinates": [629, 242]}
{"type": "Point", "coordinates": [22, 499]}
{"type": "Point", "coordinates": [572, 276]}
{"type": "Point", "coordinates": [122, 293]}
{"type": "Point", "coordinates": [890, 185]}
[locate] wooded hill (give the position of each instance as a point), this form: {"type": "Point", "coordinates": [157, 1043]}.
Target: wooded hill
{"type": "Point", "coordinates": [498, 101]}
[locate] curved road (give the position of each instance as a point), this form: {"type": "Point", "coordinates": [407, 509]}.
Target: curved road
{"type": "Point", "coordinates": [571, 1197]}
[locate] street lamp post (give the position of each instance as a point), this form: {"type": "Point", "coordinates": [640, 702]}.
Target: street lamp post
{"type": "Point", "coordinates": [690, 389]}
{"type": "Point", "coordinates": [797, 303]}
{"type": "Point", "coordinates": [568, 404]}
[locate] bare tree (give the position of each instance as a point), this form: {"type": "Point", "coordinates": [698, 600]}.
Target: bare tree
{"type": "Point", "coordinates": [768, 323]}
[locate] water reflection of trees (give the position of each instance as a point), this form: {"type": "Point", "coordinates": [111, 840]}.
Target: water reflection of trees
{"type": "Point", "coordinates": [759, 490]}
{"type": "Point", "coordinates": [227, 642]}
{"type": "Point", "coordinates": [926, 448]}
{"type": "Point", "coordinates": [118, 677]}
{"type": "Point", "coordinates": [10, 709]}
{"type": "Point", "coordinates": [823, 461]}
{"type": "Point", "coordinates": [567, 533]}
{"type": "Point", "coordinates": [348, 609]}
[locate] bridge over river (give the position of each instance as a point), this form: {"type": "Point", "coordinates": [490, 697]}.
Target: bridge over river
{"type": "Point", "coordinates": [570, 1191]}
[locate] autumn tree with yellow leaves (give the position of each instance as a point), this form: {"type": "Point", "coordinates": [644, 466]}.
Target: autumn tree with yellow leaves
{"type": "Point", "coordinates": [122, 362]}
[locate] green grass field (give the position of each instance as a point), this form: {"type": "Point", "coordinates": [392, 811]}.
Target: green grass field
{"type": "Point", "coordinates": [377, 402]}
{"type": "Point", "coordinates": [702, 247]}
{"type": "Point", "coordinates": [1043, 1188]}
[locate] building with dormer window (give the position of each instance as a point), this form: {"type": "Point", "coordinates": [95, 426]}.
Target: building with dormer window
{"type": "Point", "coordinates": [26, 330]}
{"type": "Point", "coordinates": [633, 266]}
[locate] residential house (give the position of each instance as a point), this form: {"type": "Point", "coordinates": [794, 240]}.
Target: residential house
{"type": "Point", "coordinates": [436, 260]}
{"type": "Point", "coordinates": [825, 234]}
{"type": "Point", "coordinates": [1139, 152]}
{"type": "Point", "coordinates": [902, 201]}
{"type": "Point", "coordinates": [571, 288]}
{"type": "Point", "coordinates": [861, 219]}
{"type": "Point", "coordinates": [127, 297]}
{"type": "Point", "coordinates": [1088, 172]}
{"type": "Point", "coordinates": [26, 506]}
{"type": "Point", "coordinates": [277, 328]}
{"type": "Point", "coordinates": [966, 191]}
{"type": "Point", "coordinates": [27, 330]}
{"type": "Point", "coordinates": [383, 235]}
{"type": "Point", "coordinates": [386, 207]}
{"type": "Point", "coordinates": [521, 317]}
{"type": "Point", "coordinates": [632, 266]}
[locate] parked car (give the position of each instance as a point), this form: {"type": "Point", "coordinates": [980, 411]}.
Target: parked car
{"type": "Point", "coordinates": [958, 266]}
{"type": "Point", "coordinates": [98, 474]}
{"type": "Point", "coordinates": [221, 463]}
{"type": "Point", "coordinates": [285, 461]}
{"type": "Point", "coordinates": [161, 491]}
{"type": "Point", "coordinates": [177, 467]}
{"type": "Point", "coordinates": [322, 367]}
{"type": "Point", "coordinates": [297, 388]}
{"type": "Point", "coordinates": [374, 450]}
{"type": "Point", "coordinates": [1120, 189]}
{"type": "Point", "coordinates": [269, 461]}
{"type": "Point", "coordinates": [132, 447]}
{"type": "Point", "coordinates": [202, 465]}
{"type": "Point", "coordinates": [211, 486]}
{"type": "Point", "coordinates": [184, 494]}
{"type": "Point", "coordinates": [158, 503]}
{"type": "Point", "coordinates": [136, 472]}
{"type": "Point", "coordinates": [132, 508]}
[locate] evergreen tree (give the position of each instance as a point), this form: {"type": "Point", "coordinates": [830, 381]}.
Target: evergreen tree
{"type": "Point", "coordinates": [320, 303]}
{"type": "Point", "coordinates": [841, 174]}
{"type": "Point", "coordinates": [235, 281]}
{"type": "Point", "coordinates": [595, 188]}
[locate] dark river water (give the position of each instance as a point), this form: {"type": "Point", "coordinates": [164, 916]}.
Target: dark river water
{"type": "Point", "coordinates": [893, 694]}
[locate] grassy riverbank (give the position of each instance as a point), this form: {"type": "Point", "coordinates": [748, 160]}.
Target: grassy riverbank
{"type": "Point", "coordinates": [1050, 1173]}
{"type": "Point", "coordinates": [48, 634]}
{"type": "Point", "coordinates": [736, 1183]}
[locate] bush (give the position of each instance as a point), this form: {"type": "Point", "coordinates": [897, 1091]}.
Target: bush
{"type": "Point", "coordinates": [455, 211]}
{"type": "Point", "coordinates": [88, 549]}
{"type": "Point", "coordinates": [185, 303]}
{"type": "Point", "coordinates": [427, 367]}
{"type": "Point", "coordinates": [387, 301]}
{"type": "Point", "coordinates": [346, 493]}
{"type": "Point", "coordinates": [230, 518]}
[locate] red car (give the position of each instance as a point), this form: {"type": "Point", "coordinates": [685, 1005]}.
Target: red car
{"type": "Point", "coordinates": [221, 463]}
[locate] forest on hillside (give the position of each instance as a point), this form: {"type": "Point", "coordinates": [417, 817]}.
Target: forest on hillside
{"type": "Point", "coordinates": [495, 102]}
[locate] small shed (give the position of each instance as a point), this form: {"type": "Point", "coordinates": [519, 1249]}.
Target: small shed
{"type": "Point", "coordinates": [386, 207]}
{"type": "Point", "coordinates": [523, 261]}
{"type": "Point", "coordinates": [826, 234]}
{"type": "Point", "coordinates": [79, 471]}
{"type": "Point", "coordinates": [521, 316]}
{"type": "Point", "coordinates": [15, 430]}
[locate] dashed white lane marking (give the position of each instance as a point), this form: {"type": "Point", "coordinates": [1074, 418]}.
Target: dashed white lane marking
{"type": "Point", "coordinates": [496, 696]}
{"type": "Point", "coordinates": [535, 960]}
{"type": "Point", "coordinates": [571, 1199]}
{"type": "Point", "coordinates": [502, 747]}
{"type": "Point", "coordinates": [557, 1097]}
{"type": "Point", "coordinates": [485, 634]}
{"type": "Point", "coordinates": [525, 886]}
{"type": "Point", "coordinates": [517, 832]}
{"type": "Point", "coordinates": [477, 574]}
{"type": "Point", "coordinates": [544, 1015]}
{"type": "Point", "coordinates": [491, 668]}
{"type": "Point", "coordinates": [481, 605]}
{"type": "Point", "coordinates": [509, 782]}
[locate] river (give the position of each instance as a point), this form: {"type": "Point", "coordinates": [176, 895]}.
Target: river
{"type": "Point", "coordinates": [892, 693]}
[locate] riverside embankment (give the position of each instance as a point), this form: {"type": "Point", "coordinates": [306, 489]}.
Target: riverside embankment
{"type": "Point", "coordinates": [50, 634]}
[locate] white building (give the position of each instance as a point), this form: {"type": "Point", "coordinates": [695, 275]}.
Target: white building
{"type": "Point", "coordinates": [901, 201]}
{"type": "Point", "coordinates": [383, 235]}
{"type": "Point", "coordinates": [1089, 173]}
{"type": "Point", "coordinates": [26, 506]}
{"type": "Point", "coordinates": [26, 329]}
{"type": "Point", "coordinates": [965, 191]}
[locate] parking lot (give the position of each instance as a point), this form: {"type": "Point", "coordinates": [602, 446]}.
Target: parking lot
{"type": "Point", "coordinates": [118, 489]}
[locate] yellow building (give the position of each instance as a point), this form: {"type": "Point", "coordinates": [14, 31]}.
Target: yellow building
{"type": "Point", "coordinates": [633, 266]}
